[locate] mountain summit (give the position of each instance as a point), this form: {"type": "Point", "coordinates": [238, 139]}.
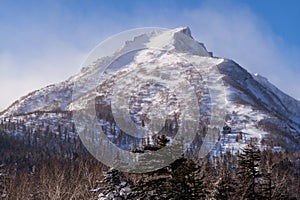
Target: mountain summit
{"type": "Point", "coordinates": [254, 108]}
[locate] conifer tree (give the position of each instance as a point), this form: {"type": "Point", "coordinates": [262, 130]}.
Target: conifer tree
{"type": "Point", "coordinates": [225, 185]}
{"type": "Point", "coordinates": [267, 186]}
{"type": "Point", "coordinates": [114, 188]}
{"type": "Point", "coordinates": [152, 185]}
{"type": "Point", "coordinates": [248, 172]}
{"type": "Point", "coordinates": [188, 180]}
{"type": "Point", "coordinates": [182, 179]}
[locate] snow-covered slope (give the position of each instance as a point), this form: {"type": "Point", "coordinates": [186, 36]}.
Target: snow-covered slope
{"type": "Point", "coordinates": [51, 98]}
{"type": "Point", "coordinates": [254, 108]}
{"type": "Point", "coordinates": [291, 104]}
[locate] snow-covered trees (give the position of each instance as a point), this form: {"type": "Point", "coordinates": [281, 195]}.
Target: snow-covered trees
{"type": "Point", "coordinates": [271, 175]}
{"type": "Point", "coordinates": [114, 188]}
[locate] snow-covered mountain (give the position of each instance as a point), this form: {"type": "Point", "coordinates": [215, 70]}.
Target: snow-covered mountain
{"type": "Point", "coordinates": [254, 108]}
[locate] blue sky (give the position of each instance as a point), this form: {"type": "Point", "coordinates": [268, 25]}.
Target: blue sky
{"type": "Point", "coordinates": [43, 42]}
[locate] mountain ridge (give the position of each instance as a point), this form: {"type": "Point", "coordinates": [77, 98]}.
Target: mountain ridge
{"type": "Point", "coordinates": [253, 105]}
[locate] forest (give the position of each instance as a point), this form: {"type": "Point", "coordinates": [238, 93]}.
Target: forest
{"type": "Point", "coordinates": [38, 164]}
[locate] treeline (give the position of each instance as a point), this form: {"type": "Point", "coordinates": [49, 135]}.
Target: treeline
{"type": "Point", "coordinates": [251, 174]}
{"type": "Point", "coordinates": [44, 162]}
{"type": "Point", "coordinates": [28, 144]}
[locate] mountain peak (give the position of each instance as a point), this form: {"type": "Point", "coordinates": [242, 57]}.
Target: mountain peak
{"type": "Point", "coordinates": [253, 105]}
{"type": "Point", "coordinates": [180, 40]}
{"type": "Point", "coordinates": [185, 30]}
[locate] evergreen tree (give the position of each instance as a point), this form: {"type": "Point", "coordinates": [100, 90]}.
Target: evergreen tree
{"type": "Point", "coordinates": [182, 181]}
{"type": "Point", "coordinates": [152, 185]}
{"type": "Point", "coordinates": [225, 185]}
{"type": "Point", "coordinates": [114, 188]}
{"type": "Point", "coordinates": [248, 172]}
{"type": "Point", "coordinates": [268, 186]}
